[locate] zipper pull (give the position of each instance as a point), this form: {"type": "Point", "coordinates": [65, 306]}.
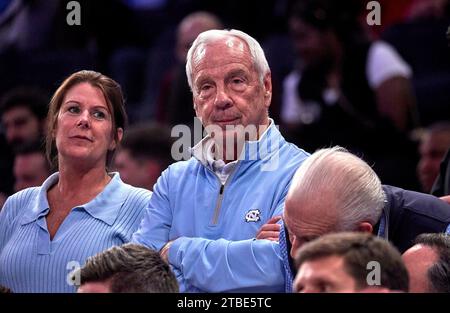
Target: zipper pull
{"type": "Point", "coordinates": [221, 189]}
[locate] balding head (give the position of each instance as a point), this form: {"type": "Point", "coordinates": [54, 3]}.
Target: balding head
{"type": "Point", "coordinates": [190, 27]}
{"type": "Point", "coordinates": [428, 263]}
{"type": "Point", "coordinates": [206, 38]}
{"type": "Point", "coordinates": [332, 191]}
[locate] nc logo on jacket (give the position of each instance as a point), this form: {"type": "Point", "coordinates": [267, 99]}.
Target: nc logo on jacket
{"type": "Point", "coordinates": [253, 216]}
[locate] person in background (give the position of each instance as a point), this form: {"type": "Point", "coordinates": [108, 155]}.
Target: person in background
{"type": "Point", "coordinates": [144, 153]}
{"type": "Point", "coordinates": [174, 94]}
{"type": "Point", "coordinates": [434, 144]}
{"type": "Point", "coordinates": [349, 91]}
{"type": "Point", "coordinates": [23, 111]}
{"type": "Point", "coordinates": [441, 186]}
{"type": "Point", "coordinates": [23, 114]}
{"type": "Point", "coordinates": [80, 210]}
{"type": "Point", "coordinates": [349, 262]}
{"type": "Point", "coordinates": [128, 268]}
{"type": "Point", "coordinates": [428, 263]}
{"type": "Point", "coordinates": [31, 167]}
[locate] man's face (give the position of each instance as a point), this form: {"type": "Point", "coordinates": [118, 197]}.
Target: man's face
{"type": "Point", "coordinates": [432, 151]}
{"type": "Point", "coordinates": [326, 274]}
{"type": "Point", "coordinates": [20, 125]}
{"type": "Point", "coordinates": [307, 222]}
{"type": "Point", "coordinates": [418, 260]}
{"type": "Point", "coordinates": [226, 86]}
{"type": "Point", "coordinates": [30, 170]}
{"type": "Point", "coordinates": [138, 173]}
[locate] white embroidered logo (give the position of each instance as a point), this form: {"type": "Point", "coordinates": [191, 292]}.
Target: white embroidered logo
{"type": "Point", "coordinates": [253, 216]}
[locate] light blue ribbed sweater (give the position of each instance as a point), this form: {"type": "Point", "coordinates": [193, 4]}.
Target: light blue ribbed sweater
{"type": "Point", "coordinates": [31, 262]}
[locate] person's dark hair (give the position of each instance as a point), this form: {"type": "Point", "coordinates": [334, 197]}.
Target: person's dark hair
{"type": "Point", "coordinates": [130, 268]}
{"type": "Point", "coordinates": [114, 100]}
{"type": "Point", "coordinates": [339, 16]}
{"type": "Point", "coordinates": [4, 289]}
{"type": "Point", "coordinates": [438, 273]}
{"type": "Point", "coordinates": [357, 250]}
{"type": "Point", "coordinates": [149, 142]}
{"type": "Point", "coordinates": [32, 98]}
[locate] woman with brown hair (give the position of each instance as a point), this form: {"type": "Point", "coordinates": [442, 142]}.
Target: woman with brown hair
{"type": "Point", "coordinates": [47, 231]}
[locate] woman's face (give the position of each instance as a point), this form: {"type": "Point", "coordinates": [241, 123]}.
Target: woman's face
{"type": "Point", "coordinates": [84, 129]}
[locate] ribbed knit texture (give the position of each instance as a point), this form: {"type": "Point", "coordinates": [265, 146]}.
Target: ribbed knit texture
{"type": "Point", "coordinates": [30, 262]}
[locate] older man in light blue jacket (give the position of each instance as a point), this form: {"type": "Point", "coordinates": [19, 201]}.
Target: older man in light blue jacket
{"type": "Point", "coordinates": [205, 212]}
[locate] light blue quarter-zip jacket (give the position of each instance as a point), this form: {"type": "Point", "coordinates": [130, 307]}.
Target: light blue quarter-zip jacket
{"type": "Point", "coordinates": [214, 226]}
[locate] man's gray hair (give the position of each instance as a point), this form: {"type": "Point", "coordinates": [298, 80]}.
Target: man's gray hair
{"type": "Point", "coordinates": [351, 186]}
{"type": "Point", "coordinates": [257, 53]}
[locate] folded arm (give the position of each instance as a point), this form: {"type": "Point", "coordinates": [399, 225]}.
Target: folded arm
{"type": "Point", "coordinates": [222, 265]}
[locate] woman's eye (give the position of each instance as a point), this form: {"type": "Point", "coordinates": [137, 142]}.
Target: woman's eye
{"type": "Point", "coordinates": [99, 115]}
{"type": "Point", "coordinates": [73, 109]}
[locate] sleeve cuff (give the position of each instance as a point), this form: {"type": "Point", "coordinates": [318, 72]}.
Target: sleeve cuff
{"type": "Point", "coordinates": [175, 257]}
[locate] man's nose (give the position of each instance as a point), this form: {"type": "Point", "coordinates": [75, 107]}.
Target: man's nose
{"type": "Point", "coordinates": [223, 99]}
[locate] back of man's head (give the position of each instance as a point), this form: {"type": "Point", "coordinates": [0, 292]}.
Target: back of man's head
{"type": "Point", "coordinates": [336, 190]}
{"type": "Point", "coordinates": [428, 263]}
{"type": "Point", "coordinates": [127, 269]}
{"type": "Point", "coordinates": [369, 260]}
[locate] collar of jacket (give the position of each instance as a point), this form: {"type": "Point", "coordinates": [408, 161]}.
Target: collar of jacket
{"type": "Point", "coordinates": [266, 148]}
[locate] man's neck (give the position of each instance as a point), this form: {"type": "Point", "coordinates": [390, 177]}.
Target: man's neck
{"type": "Point", "coordinates": [230, 150]}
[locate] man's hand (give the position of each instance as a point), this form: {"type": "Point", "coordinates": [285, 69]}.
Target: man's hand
{"type": "Point", "coordinates": [446, 199]}
{"type": "Point", "coordinates": [164, 252]}
{"type": "Point", "coordinates": [270, 230]}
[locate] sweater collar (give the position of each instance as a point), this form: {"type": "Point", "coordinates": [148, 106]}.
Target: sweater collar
{"type": "Point", "coordinates": [105, 206]}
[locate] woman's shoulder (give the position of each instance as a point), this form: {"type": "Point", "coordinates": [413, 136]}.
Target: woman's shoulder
{"type": "Point", "coordinates": [139, 192]}
{"type": "Point", "coordinates": [135, 192]}
{"type": "Point", "coordinates": [17, 202]}
{"type": "Point", "coordinates": [24, 195]}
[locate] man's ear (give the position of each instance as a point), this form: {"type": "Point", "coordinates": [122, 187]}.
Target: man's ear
{"type": "Point", "coordinates": [195, 106]}
{"type": "Point", "coordinates": [294, 245]}
{"type": "Point", "coordinates": [267, 82]}
{"type": "Point", "coordinates": [365, 227]}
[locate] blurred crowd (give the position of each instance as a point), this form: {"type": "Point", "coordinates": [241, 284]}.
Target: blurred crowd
{"type": "Point", "coordinates": [364, 107]}
{"type": "Point", "coordinates": [378, 90]}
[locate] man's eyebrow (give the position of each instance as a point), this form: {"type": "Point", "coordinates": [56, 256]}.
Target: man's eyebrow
{"type": "Point", "coordinates": [323, 279]}
{"type": "Point", "coordinates": [201, 79]}
{"type": "Point", "coordinates": [237, 72]}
